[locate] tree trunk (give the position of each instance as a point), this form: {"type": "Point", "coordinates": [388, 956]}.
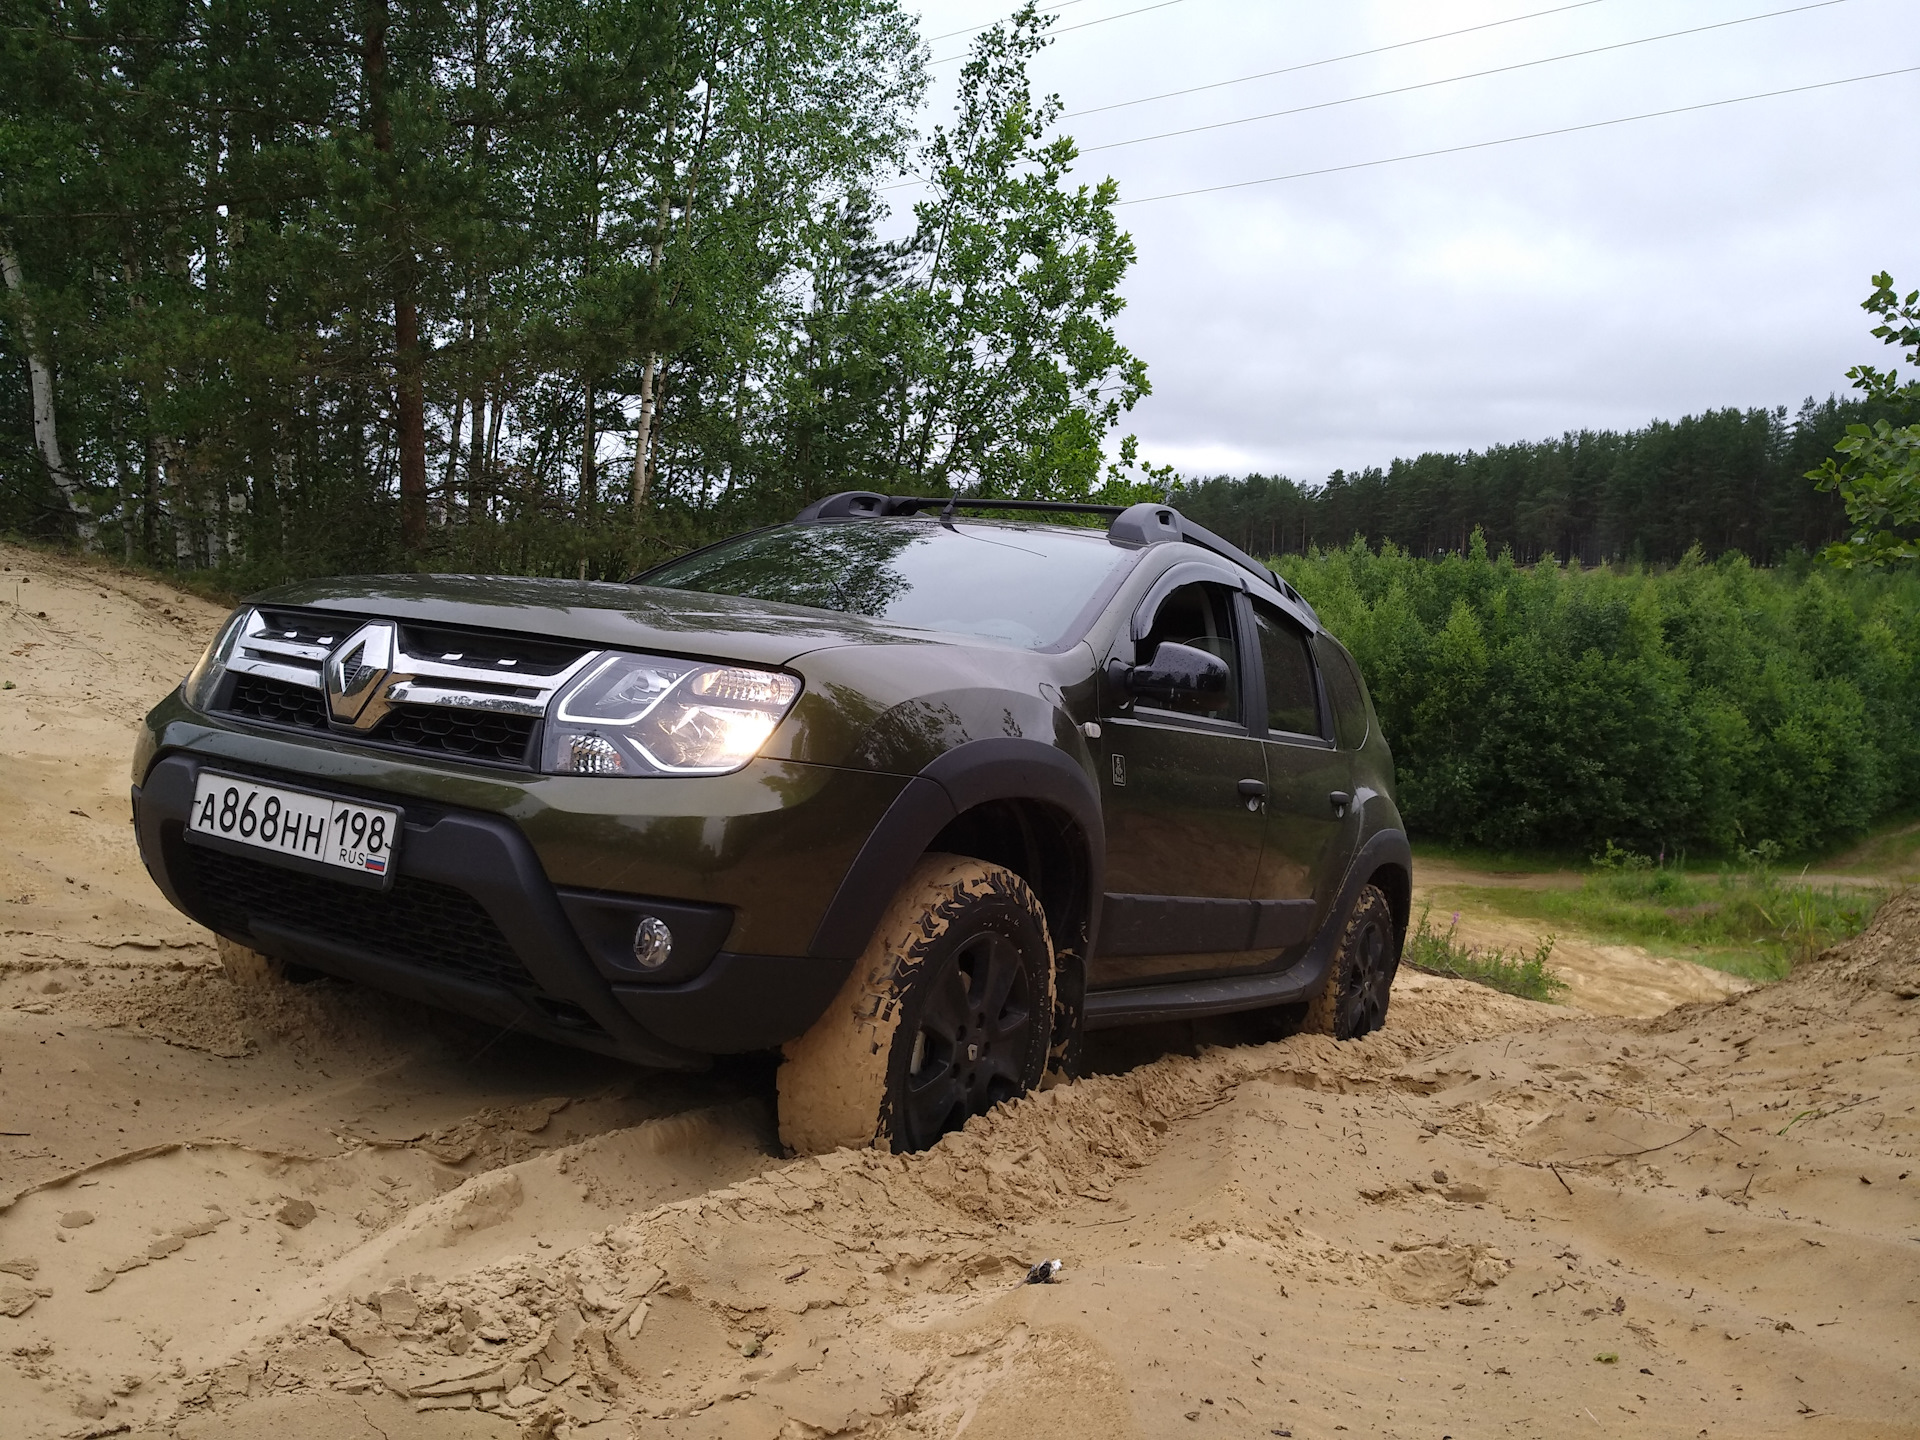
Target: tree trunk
{"type": "Point", "coordinates": [643, 432]}
{"type": "Point", "coordinates": [46, 433]}
{"type": "Point", "coordinates": [411, 408]}
{"type": "Point", "coordinates": [477, 292]}
{"type": "Point", "coordinates": [410, 401]}
{"type": "Point", "coordinates": [149, 488]}
{"type": "Point", "coordinates": [589, 471]}
{"type": "Point", "coordinates": [444, 508]}
{"type": "Point", "coordinates": [477, 456]}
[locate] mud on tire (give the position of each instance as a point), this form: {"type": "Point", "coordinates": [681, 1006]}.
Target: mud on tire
{"type": "Point", "coordinates": [948, 1012]}
{"type": "Point", "coordinates": [1355, 998]}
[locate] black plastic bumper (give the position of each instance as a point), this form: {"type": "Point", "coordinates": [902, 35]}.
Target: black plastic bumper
{"type": "Point", "coordinates": [471, 924]}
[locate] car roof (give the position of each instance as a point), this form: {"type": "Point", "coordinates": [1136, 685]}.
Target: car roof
{"type": "Point", "coordinates": [1134, 526]}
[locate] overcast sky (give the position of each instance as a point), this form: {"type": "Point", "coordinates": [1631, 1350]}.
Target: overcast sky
{"type": "Point", "coordinates": [1597, 279]}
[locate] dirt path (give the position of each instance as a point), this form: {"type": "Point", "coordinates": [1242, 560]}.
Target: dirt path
{"type": "Point", "coordinates": [323, 1214]}
{"type": "Point", "coordinates": [1602, 979]}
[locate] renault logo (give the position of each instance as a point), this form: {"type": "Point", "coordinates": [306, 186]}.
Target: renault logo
{"type": "Point", "coordinates": [360, 673]}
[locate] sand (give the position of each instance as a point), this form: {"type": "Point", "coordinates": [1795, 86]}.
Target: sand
{"type": "Point", "coordinates": [315, 1212]}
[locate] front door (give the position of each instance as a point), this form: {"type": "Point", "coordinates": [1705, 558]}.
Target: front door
{"type": "Point", "coordinates": [1183, 811]}
{"type": "Point", "coordinates": [1309, 789]}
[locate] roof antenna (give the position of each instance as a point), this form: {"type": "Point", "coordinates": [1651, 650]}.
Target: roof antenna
{"type": "Point", "coordinates": [946, 515]}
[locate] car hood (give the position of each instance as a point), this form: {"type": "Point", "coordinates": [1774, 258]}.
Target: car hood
{"type": "Point", "coordinates": [638, 617]}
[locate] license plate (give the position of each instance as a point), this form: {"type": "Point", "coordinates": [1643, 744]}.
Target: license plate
{"type": "Point", "coordinates": [343, 834]}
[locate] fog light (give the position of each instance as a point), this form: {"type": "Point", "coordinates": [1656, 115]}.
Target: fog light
{"type": "Point", "coordinates": [652, 943]}
{"type": "Point", "coordinates": [592, 755]}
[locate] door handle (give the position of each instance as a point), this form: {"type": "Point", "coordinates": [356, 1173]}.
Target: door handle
{"type": "Point", "coordinates": [1339, 799]}
{"type": "Point", "coordinates": [1254, 792]}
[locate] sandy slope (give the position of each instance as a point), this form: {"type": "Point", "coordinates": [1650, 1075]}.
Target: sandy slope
{"type": "Point", "coordinates": [319, 1213]}
{"type": "Point", "coordinates": [1602, 978]}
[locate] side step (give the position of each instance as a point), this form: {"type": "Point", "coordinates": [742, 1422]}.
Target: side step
{"type": "Point", "coordinates": [1194, 999]}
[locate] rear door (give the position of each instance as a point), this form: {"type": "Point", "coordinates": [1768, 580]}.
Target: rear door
{"type": "Point", "coordinates": [1184, 835]}
{"type": "Point", "coordinates": [1310, 821]}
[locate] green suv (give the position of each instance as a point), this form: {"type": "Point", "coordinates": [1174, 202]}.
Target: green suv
{"type": "Point", "coordinates": [916, 796]}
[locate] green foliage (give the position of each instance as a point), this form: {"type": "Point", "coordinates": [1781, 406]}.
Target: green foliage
{"type": "Point", "coordinates": [1016, 376]}
{"type": "Point", "coordinates": [1878, 472]}
{"type": "Point", "coordinates": [460, 284]}
{"type": "Point", "coordinates": [1749, 919]}
{"type": "Point", "coordinates": [1707, 708]}
{"type": "Point", "coordinates": [1725, 480]}
{"type": "Point", "coordinates": [1517, 973]}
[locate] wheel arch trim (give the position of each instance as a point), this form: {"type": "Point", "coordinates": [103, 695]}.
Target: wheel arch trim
{"type": "Point", "coordinates": [964, 778]}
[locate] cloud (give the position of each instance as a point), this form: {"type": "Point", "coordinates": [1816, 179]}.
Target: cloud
{"type": "Point", "coordinates": [1590, 280]}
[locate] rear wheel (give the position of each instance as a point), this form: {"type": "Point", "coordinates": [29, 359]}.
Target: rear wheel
{"type": "Point", "coordinates": [1354, 1001]}
{"type": "Point", "coordinates": [947, 1013]}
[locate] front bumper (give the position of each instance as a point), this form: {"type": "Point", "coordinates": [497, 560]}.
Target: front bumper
{"type": "Point", "coordinates": [473, 921]}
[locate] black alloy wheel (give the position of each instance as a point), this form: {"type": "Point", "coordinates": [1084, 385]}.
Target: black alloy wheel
{"type": "Point", "coordinates": [1361, 985]}
{"type": "Point", "coordinates": [975, 1043]}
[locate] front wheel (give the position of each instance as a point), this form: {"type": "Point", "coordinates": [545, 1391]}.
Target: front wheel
{"type": "Point", "coordinates": [947, 1013]}
{"type": "Point", "coordinates": [1354, 1001]}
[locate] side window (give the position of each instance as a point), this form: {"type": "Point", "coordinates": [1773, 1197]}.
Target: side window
{"type": "Point", "coordinates": [1201, 616]}
{"type": "Point", "coordinates": [1291, 704]}
{"type": "Point", "coordinates": [1345, 691]}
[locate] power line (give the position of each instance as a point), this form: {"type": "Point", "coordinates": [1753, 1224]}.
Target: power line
{"type": "Point", "coordinates": [1331, 60]}
{"type": "Point", "coordinates": [1516, 139]}
{"type": "Point", "coordinates": [1456, 79]}
{"type": "Point", "coordinates": [976, 29]}
{"type": "Point", "coordinates": [1083, 25]}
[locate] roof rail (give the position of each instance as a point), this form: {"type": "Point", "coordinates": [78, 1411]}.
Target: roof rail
{"type": "Point", "coordinates": [869, 505]}
{"type": "Point", "coordinates": [1144, 524]}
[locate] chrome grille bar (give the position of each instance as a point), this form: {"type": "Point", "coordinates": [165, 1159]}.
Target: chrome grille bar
{"type": "Point", "coordinates": [275, 651]}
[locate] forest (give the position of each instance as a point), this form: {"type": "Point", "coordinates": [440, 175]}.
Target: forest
{"type": "Point", "coordinates": [1724, 480]}
{"type": "Point", "coordinates": [309, 286]}
{"type": "Point", "coordinates": [1708, 708]}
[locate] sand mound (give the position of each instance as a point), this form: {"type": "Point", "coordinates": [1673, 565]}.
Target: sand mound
{"type": "Point", "coordinates": [316, 1212]}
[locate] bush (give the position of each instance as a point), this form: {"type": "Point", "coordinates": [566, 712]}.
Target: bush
{"type": "Point", "coordinates": [1515, 972]}
{"type": "Point", "coordinates": [1708, 707]}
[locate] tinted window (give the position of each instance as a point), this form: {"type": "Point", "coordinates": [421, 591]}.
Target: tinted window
{"type": "Point", "coordinates": [1200, 616]}
{"type": "Point", "coordinates": [1345, 691]}
{"type": "Point", "coordinates": [1021, 584]}
{"type": "Point", "coordinates": [1291, 706]}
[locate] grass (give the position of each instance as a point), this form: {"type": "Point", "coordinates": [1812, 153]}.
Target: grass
{"type": "Point", "coordinates": [1752, 922]}
{"type": "Point", "coordinates": [1892, 848]}
{"type": "Point", "coordinates": [1515, 972]}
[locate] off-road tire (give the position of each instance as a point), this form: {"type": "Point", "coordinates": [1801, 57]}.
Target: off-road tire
{"type": "Point", "coordinates": [889, 1063]}
{"type": "Point", "coordinates": [1354, 1000]}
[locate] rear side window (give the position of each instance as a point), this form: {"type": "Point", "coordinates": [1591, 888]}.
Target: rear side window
{"type": "Point", "coordinates": [1199, 615]}
{"type": "Point", "coordinates": [1292, 707]}
{"type": "Point", "coordinates": [1345, 691]}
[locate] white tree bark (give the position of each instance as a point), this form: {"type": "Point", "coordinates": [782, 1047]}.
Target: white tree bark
{"type": "Point", "coordinates": [45, 432]}
{"type": "Point", "coordinates": [642, 433]}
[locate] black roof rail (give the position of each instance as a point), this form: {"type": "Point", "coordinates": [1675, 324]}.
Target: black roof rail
{"type": "Point", "coordinates": [868, 504]}
{"type": "Point", "coordinates": [1146, 523]}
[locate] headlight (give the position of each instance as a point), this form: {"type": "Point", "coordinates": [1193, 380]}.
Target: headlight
{"type": "Point", "coordinates": [197, 689]}
{"type": "Point", "coordinates": [647, 715]}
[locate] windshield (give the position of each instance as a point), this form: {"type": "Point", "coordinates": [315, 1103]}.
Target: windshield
{"type": "Point", "coordinates": [1020, 584]}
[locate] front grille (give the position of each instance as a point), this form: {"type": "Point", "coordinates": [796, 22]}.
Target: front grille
{"type": "Point", "coordinates": [301, 627]}
{"type": "Point", "coordinates": [258, 697]}
{"type": "Point", "coordinates": [508, 655]}
{"type": "Point", "coordinates": [417, 922]}
{"type": "Point", "coordinates": [474, 734]}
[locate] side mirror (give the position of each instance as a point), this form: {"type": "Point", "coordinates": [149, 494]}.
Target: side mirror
{"type": "Point", "coordinates": [1176, 672]}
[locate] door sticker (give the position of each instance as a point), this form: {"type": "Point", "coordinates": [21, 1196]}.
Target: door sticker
{"type": "Point", "coordinates": [1119, 769]}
